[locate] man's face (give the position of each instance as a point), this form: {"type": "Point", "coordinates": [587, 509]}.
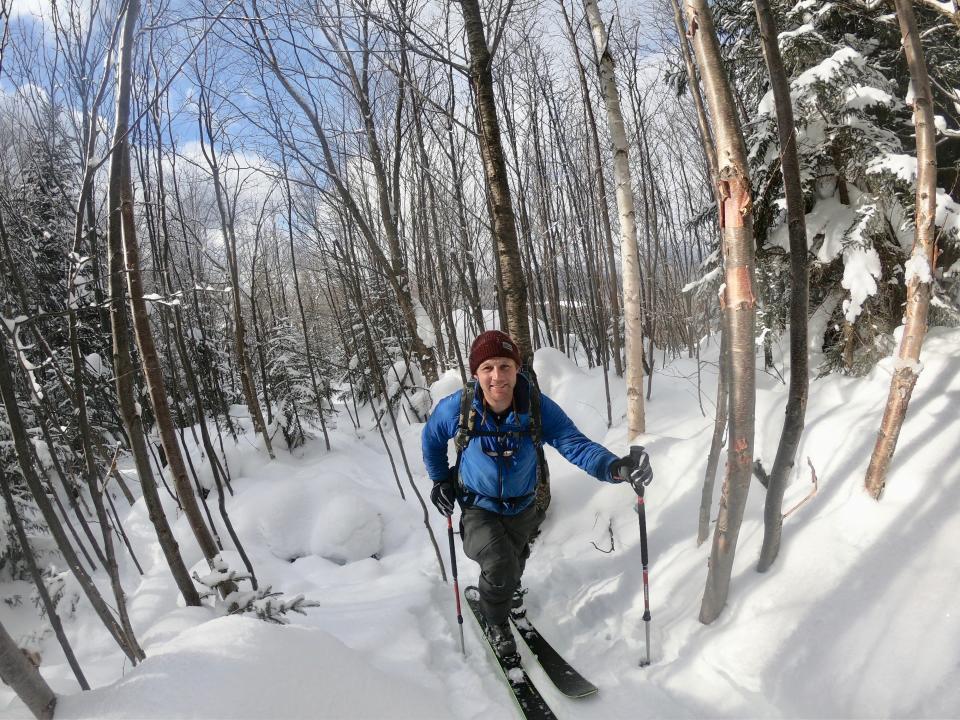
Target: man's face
{"type": "Point", "coordinates": [497, 377]}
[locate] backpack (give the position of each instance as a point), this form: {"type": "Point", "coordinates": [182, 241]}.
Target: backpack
{"type": "Point", "coordinates": [466, 432]}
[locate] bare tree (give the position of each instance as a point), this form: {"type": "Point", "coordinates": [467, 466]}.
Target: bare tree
{"type": "Point", "coordinates": [511, 278]}
{"type": "Point", "coordinates": [227, 210]}
{"type": "Point", "coordinates": [736, 224]}
{"type": "Point", "coordinates": [25, 461]}
{"type": "Point", "coordinates": [799, 286]}
{"type": "Point", "coordinates": [600, 187]}
{"type": "Point", "coordinates": [269, 43]}
{"type": "Point", "coordinates": [123, 228]}
{"type": "Point", "coordinates": [632, 289]}
{"type": "Point", "coordinates": [919, 275]}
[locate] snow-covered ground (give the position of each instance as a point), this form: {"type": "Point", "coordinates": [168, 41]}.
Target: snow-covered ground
{"type": "Point", "coordinates": [857, 618]}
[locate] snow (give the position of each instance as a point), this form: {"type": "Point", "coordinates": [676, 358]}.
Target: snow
{"type": "Point", "coordinates": [917, 267]}
{"type": "Point", "coordinates": [806, 28]}
{"type": "Point", "coordinates": [516, 676]}
{"type": "Point", "coordinates": [857, 618]}
{"type": "Point", "coordinates": [705, 280]}
{"type": "Point", "coordinates": [948, 213]}
{"type": "Point", "coordinates": [12, 323]}
{"type": "Point", "coordinates": [96, 364]}
{"type": "Point", "coordinates": [861, 270]}
{"type": "Point", "coordinates": [905, 364]}
{"type": "Point", "coordinates": [424, 326]}
{"type": "Point", "coordinates": [903, 167]}
{"type": "Point", "coordinates": [858, 97]}
{"type": "Point", "coordinates": [829, 69]}
{"type": "Point", "coordinates": [241, 668]}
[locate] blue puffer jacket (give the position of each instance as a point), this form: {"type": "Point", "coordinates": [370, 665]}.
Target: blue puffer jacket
{"type": "Point", "coordinates": [506, 484]}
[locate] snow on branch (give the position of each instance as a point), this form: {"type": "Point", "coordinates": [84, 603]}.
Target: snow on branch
{"type": "Point", "coordinates": [264, 603]}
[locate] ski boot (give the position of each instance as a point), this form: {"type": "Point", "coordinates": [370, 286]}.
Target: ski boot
{"type": "Point", "coordinates": [501, 638]}
{"type": "Point", "coordinates": [518, 610]}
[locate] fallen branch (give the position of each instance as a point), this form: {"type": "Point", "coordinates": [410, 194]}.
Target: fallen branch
{"type": "Point", "coordinates": [609, 530]}
{"type": "Point", "coordinates": [816, 486]}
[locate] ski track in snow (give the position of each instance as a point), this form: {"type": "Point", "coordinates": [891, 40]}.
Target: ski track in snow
{"type": "Point", "coordinates": [857, 617]}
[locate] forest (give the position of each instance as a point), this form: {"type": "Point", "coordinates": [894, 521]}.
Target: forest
{"type": "Point", "coordinates": [249, 240]}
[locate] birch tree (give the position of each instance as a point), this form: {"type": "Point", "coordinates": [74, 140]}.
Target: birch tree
{"type": "Point", "coordinates": [919, 270]}
{"type": "Point", "coordinates": [632, 310]}
{"type": "Point", "coordinates": [736, 224]}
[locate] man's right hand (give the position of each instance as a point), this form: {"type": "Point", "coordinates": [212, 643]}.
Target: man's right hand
{"type": "Point", "coordinates": [634, 469]}
{"type": "Point", "coordinates": [443, 496]}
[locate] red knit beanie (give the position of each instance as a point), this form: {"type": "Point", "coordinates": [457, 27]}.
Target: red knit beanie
{"type": "Point", "coordinates": [490, 344]}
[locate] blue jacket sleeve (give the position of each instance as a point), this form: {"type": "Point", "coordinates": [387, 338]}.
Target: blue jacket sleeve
{"type": "Point", "coordinates": [441, 426]}
{"type": "Point", "coordinates": [559, 431]}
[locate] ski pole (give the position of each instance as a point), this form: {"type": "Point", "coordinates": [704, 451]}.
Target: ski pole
{"type": "Point", "coordinates": [637, 453]}
{"type": "Point", "coordinates": [456, 584]}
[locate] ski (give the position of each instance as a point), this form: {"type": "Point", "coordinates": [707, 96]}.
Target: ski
{"type": "Point", "coordinates": [528, 698]}
{"type": "Point", "coordinates": [568, 681]}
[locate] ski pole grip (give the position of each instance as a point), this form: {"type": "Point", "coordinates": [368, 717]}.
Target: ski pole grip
{"type": "Point", "coordinates": [636, 454]}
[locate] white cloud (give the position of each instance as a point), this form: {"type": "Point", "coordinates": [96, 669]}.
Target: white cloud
{"type": "Point", "coordinates": [35, 8]}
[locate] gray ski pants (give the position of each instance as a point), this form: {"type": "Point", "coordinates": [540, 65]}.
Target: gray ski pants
{"type": "Point", "coordinates": [501, 544]}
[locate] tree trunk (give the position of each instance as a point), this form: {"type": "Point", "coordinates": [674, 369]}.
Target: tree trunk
{"type": "Point", "coordinates": [22, 447]}
{"type": "Point", "coordinates": [495, 170]}
{"type": "Point", "coordinates": [736, 224]}
{"type": "Point", "coordinates": [632, 311]}
{"type": "Point", "coordinates": [25, 680]}
{"type": "Point", "coordinates": [600, 188]}
{"type": "Point", "coordinates": [121, 195]}
{"type": "Point", "coordinates": [716, 441]}
{"type": "Point", "coordinates": [123, 369]}
{"type": "Point", "coordinates": [693, 82]}
{"type": "Point", "coordinates": [799, 286]}
{"type": "Point", "coordinates": [227, 223]}
{"type": "Point", "coordinates": [920, 267]}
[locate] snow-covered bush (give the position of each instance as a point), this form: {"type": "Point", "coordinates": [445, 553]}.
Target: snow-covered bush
{"type": "Point", "coordinates": [262, 602]}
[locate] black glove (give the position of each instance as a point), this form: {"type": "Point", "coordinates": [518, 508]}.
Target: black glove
{"type": "Point", "coordinates": [443, 495]}
{"type": "Point", "coordinates": [634, 469]}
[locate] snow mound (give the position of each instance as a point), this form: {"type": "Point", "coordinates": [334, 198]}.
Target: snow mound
{"type": "Point", "coordinates": [296, 518]}
{"type": "Point", "coordinates": [347, 529]}
{"type": "Point", "coordinates": [202, 671]}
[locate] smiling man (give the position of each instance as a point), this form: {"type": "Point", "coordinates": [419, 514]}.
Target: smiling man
{"type": "Point", "coordinates": [498, 421]}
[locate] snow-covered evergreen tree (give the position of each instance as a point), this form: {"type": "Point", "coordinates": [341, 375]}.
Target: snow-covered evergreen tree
{"type": "Point", "coordinates": [850, 92]}
{"type": "Point", "coordinates": [297, 406]}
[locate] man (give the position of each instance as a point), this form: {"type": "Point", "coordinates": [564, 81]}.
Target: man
{"type": "Point", "coordinates": [495, 481]}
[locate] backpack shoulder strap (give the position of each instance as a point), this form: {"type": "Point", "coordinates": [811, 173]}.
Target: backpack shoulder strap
{"type": "Point", "coordinates": [467, 420]}
{"type": "Point", "coordinates": [536, 425]}
{"type": "Point", "coordinates": [536, 431]}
